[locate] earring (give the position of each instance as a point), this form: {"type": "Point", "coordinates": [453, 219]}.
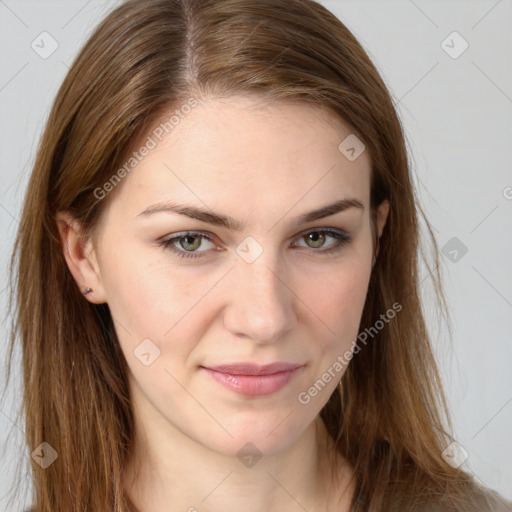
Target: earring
{"type": "Point", "coordinates": [87, 290]}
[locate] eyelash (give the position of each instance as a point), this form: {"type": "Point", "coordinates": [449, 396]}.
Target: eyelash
{"type": "Point", "coordinates": [341, 237]}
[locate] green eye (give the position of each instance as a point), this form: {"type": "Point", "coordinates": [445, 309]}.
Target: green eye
{"type": "Point", "coordinates": [317, 239]}
{"type": "Point", "coordinates": [190, 241]}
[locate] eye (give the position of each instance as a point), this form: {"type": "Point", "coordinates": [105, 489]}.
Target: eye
{"type": "Point", "coordinates": [186, 245]}
{"type": "Point", "coordinates": [189, 243]}
{"type": "Point", "coordinates": [315, 239]}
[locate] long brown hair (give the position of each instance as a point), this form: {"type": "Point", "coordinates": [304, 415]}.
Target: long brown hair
{"type": "Point", "coordinates": [388, 417]}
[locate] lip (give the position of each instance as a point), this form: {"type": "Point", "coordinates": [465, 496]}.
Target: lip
{"type": "Point", "coordinates": [252, 379]}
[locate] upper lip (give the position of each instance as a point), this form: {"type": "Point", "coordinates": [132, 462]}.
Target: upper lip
{"type": "Point", "coordinates": [254, 369]}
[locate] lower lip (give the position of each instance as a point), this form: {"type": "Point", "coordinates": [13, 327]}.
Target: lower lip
{"type": "Point", "coordinates": [253, 385]}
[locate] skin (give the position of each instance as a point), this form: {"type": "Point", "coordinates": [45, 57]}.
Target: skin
{"type": "Point", "coordinates": [264, 166]}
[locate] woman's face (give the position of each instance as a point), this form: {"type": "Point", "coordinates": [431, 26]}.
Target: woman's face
{"type": "Point", "coordinates": [247, 293]}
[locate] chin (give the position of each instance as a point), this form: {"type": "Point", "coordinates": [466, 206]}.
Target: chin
{"type": "Point", "coordinates": [258, 432]}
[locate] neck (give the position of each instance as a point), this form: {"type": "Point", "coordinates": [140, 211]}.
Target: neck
{"type": "Point", "coordinates": [170, 472]}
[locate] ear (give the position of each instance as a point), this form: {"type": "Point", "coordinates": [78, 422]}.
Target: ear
{"type": "Point", "coordinates": [81, 258]}
{"type": "Point", "coordinates": [382, 217]}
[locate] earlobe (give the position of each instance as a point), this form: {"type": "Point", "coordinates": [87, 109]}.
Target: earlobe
{"type": "Point", "coordinates": [80, 258]}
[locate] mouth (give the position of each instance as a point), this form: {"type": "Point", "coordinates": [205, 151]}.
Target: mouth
{"type": "Point", "coordinates": [251, 379]}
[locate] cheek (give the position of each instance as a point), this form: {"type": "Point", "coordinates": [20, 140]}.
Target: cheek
{"type": "Point", "coordinates": [338, 304]}
{"type": "Point", "coordinates": [151, 297]}
{"type": "Point", "coordinates": [137, 297]}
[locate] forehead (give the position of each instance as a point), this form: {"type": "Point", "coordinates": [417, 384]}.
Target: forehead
{"type": "Point", "coordinates": [238, 151]}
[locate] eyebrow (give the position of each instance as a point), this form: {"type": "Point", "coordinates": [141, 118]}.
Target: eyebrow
{"type": "Point", "coordinates": [235, 225]}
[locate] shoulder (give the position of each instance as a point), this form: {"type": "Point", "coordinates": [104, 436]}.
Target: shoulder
{"type": "Point", "coordinates": [488, 500]}
{"type": "Point", "coordinates": [474, 497]}
{"type": "Point", "coordinates": [479, 499]}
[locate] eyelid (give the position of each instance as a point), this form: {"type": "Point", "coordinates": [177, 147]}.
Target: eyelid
{"type": "Point", "coordinates": [210, 236]}
{"type": "Point", "coordinates": [342, 237]}
{"type": "Point", "coordinates": [174, 237]}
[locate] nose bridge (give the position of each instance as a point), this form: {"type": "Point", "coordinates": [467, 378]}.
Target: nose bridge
{"type": "Point", "coordinates": [260, 305]}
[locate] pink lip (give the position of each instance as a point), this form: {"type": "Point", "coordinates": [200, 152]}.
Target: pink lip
{"type": "Point", "coordinates": [251, 379]}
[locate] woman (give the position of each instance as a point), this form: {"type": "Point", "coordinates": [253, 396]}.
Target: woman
{"type": "Point", "coordinates": [217, 263]}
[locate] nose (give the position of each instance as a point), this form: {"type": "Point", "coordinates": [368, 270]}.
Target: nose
{"type": "Point", "coordinates": [260, 302]}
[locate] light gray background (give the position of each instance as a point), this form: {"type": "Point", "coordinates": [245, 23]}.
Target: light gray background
{"type": "Point", "coordinates": [457, 114]}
